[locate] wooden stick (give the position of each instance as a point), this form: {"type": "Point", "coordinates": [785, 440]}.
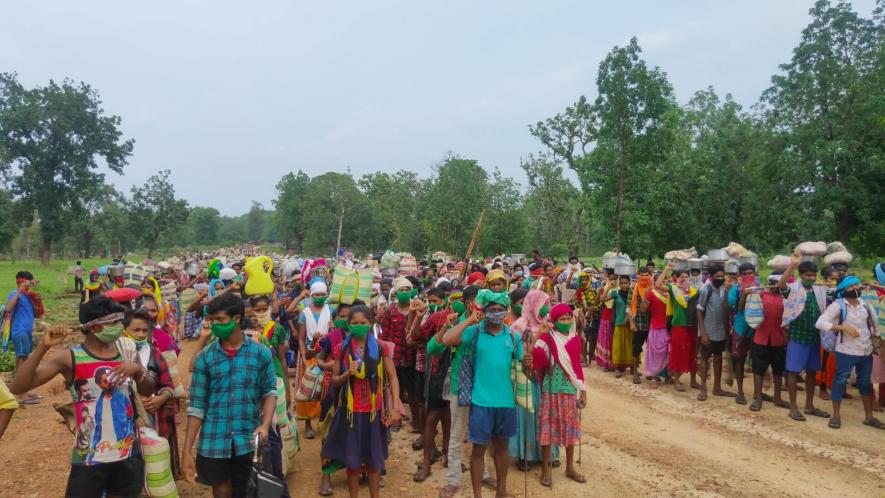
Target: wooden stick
{"type": "Point", "coordinates": [472, 244]}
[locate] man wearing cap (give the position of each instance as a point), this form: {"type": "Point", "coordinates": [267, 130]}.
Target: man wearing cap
{"type": "Point", "coordinates": [493, 405]}
{"type": "Point", "coordinates": [395, 322]}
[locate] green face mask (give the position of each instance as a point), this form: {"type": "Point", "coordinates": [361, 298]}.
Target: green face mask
{"type": "Point", "coordinates": [543, 311]}
{"type": "Point", "coordinates": [807, 283]}
{"type": "Point", "coordinates": [434, 307]}
{"type": "Point", "coordinates": [109, 333]}
{"type": "Point", "coordinates": [563, 327]}
{"type": "Point", "coordinates": [319, 301]}
{"type": "Point", "coordinates": [414, 293]}
{"type": "Point", "coordinates": [403, 296]}
{"type": "Point", "coordinates": [360, 331]}
{"type": "Point", "coordinates": [340, 323]}
{"type": "Point", "coordinates": [517, 308]}
{"type": "Point", "coordinates": [458, 307]}
{"type": "Point", "coordinates": [223, 330]}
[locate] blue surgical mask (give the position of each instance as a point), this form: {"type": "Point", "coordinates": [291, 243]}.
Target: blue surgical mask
{"type": "Point", "coordinates": [517, 273]}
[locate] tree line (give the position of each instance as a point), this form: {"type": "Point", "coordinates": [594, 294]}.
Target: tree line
{"type": "Point", "coordinates": [804, 162]}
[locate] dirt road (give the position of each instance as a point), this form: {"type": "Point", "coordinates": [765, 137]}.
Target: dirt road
{"type": "Point", "coordinates": [638, 441]}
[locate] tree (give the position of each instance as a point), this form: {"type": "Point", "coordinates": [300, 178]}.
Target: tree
{"type": "Point", "coordinates": [289, 208]}
{"type": "Point", "coordinates": [255, 222]}
{"type": "Point", "coordinates": [554, 208]}
{"type": "Point", "coordinates": [455, 198]}
{"type": "Point", "coordinates": [155, 210]}
{"type": "Point", "coordinates": [826, 109]}
{"type": "Point", "coordinates": [504, 228]}
{"type": "Point", "coordinates": [394, 200]}
{"type": "Point", "coordinates": [203, 226]}
{"type": "Point", "coordinates": [9, 226]}
{"type": "Point", "coordinates": [334, 200]}
{"type": "Point", "coordinates": [53, 139]}
{"type": "Point", "coordinates": [86, 227]}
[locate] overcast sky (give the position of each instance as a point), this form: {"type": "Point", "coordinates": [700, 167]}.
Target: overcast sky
{"type": "Point", "coordinates": [232, 95]}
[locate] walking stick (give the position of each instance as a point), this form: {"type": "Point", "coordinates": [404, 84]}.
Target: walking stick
{"type": "Point", "coordinates": [525, 440]}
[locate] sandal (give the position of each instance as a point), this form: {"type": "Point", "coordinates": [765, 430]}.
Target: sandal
{"type": "Point", "coordinates": [556, 464]}
{"type": "Point", "coordinates": [782, 404]}
{"type": "Point", "coordinates": [724, 394]}
{"type": "Point", "coordinates": [421, 474]}
{"type": "Point", "coordinates": [435, 455]}
{"type": "Point", "coordinates": [740, 399]}
{"type": "Point", "coordinates": [637, 379]}
{"type": "Point", "coordinates": [797, 416]}
{"type": "Point", "coordinates": [767, 398]}
{"type": "Point", "coordinates": [874, 423]}
{"type": "Point", "coordinates": [702, 396]}
{"type": "Point", "coordinates": [523, 465]}
{"type": "Point", "coordinates": [310, 434]}
{"type": "Point", "coordinates": [824, 395]}
{"type": "Point", "coordinates": [490, 483]}
{"type": "Point", "coordinates": [418, 444]}
{"type": "Point", "coordinates": [835, 423]}
{"type": "Point", "coordinates": [680, 388]}
{"type": "Point", "coordinates": [576, 477]}
{"type": "Point", "coordinates": [326, 489]}
{"type": "Point", "coordinates": [448, 491]}
{"type": "Point", "coordinates": [817, 412]}
{"type": "Point", "coordinates": [756, 405]}
{"type": "Point", "coordinates": [847, 396]}
{"type": "Point", "coordinates": [546, 481]}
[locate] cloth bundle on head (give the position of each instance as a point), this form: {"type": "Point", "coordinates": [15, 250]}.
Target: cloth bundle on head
{"type": "Point", "coordinates": [559, 310]}
{"type": "Point", "coordinates": [227, 274]}
{"type": "Point", "coordinates": [215, 267]}
{"type": "Point", "coordinates": [475, 277]}
{"type": "Point", "coordinates": [401, 282]}
{"type": "Point", "coordinates": [774, 278]}
{"type": "Point", "coordinates": [486, 297]}
{"type": "Point", "coordinates": [496, 275]}
{"type": "Point", "coordinates": [318, 287]}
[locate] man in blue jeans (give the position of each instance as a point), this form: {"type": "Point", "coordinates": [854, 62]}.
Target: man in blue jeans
{"type": "Point", "coordinates": [23, 305]}
{"type": "Point", "coordinates": [493, 405]}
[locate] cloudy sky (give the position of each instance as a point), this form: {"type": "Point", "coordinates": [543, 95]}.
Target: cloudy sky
{"type": "Point", "coordinates": [232, 95]}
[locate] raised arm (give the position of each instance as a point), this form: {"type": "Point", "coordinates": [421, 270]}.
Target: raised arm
{"type": "Point", "coordinates": [452, 337]}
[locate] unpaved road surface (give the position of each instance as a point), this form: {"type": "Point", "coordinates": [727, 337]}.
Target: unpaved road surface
{"type": "Point", "coordinates": [638, 441]}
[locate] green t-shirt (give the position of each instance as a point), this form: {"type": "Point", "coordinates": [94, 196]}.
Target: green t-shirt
{"type": "Point", "coordinates": [492, 386]}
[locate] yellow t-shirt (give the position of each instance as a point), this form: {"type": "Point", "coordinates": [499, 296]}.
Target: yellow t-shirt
{"type": "Point", "coordinates": [7, 400]}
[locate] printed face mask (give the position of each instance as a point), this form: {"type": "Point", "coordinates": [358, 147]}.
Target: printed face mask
{"type": "Point", "coordinates": [495, 317]}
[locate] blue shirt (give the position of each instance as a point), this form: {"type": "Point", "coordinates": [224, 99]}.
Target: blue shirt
{"type": "Point", "coordinates": [22, 315]}
{"type": "Point", "coordinates": [227, 394]}
{"type": "Point", "coordinates": [492, 386]}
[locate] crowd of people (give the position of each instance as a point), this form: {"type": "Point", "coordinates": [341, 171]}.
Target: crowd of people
{"type": "Point", "coordinates": [492, 352]}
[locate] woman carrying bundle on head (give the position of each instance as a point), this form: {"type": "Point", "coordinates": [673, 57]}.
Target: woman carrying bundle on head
{"type": "Point", "coordinates": [556, 359]}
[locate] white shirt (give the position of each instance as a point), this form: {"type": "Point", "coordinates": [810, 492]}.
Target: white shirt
{"type": "Point", "coordinates": [856, 316]}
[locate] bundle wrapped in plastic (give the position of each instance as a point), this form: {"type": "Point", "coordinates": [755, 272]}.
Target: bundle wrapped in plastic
{"type": "Point", "coordinates": [158, 479]}
{"type": "Point", "coordinates": [812, 248]}
{"type": "Point", "coordinates": [779, 263]}
{"type": "Point", "coordinates": [838, 257]}
{"type": "Point", "coordinates": [836, 246]}
{"type": "Point", "coordinates": [172, 364]}
{"type": "Point", "coordinates": [681, 254]}
{"type": "Point", "coordinates": [390, 260]}
{"type": "Point", "coordinates": [736, 250]}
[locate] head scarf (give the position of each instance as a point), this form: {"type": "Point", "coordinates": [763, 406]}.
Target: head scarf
{"type": "Point", "coordinates": [400, 283]}
{"type": "Point", "coordinates": [559, 310]}
{"type": "Point", "coordinates": [486, 298]}
{"type": "Point", "coordinates": [496, 275]}
{"type": "Point", "coordinates": [212, 283]}
{"type": "Point", "coordinates": [475, 277]}
{"type": "Point", "coordinates": [531, 319]}
{"type": "Point", "coordinates": [318, 288]}
{"type": "Point", "coordinates": [846, 283]}
{"type": "Point", "coordinates": [643, 284]}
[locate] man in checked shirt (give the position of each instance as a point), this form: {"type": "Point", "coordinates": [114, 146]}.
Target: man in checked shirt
{"type": "Point", "coordinates": [232, 401]}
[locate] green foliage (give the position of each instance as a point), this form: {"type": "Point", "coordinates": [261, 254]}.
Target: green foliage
{"type": "Point", "coordinates": [154, 210]}
{"type": "Point", "coordinates": [53, 139]}
{"type": "Point", "coordinates": [289, 208]}
{"type": "Point", "coordinates": [203, 226]}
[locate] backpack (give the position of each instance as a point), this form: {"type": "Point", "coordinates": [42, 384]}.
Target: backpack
{"type": "Point", "coordinates": [828, 339]}
{"type": "Point", "coordinates": [753, 310]}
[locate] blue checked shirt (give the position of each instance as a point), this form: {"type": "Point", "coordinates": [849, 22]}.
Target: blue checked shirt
{"type": "Point", "coordinates": [227, 393]}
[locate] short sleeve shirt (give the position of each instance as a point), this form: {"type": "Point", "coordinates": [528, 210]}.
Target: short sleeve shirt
{"type": "Point", "coordinates": [22, 315]}
{"type": "Point", "coordinates": [710, 303]}
{"type": "Point", "coordinates": [492, 386]}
